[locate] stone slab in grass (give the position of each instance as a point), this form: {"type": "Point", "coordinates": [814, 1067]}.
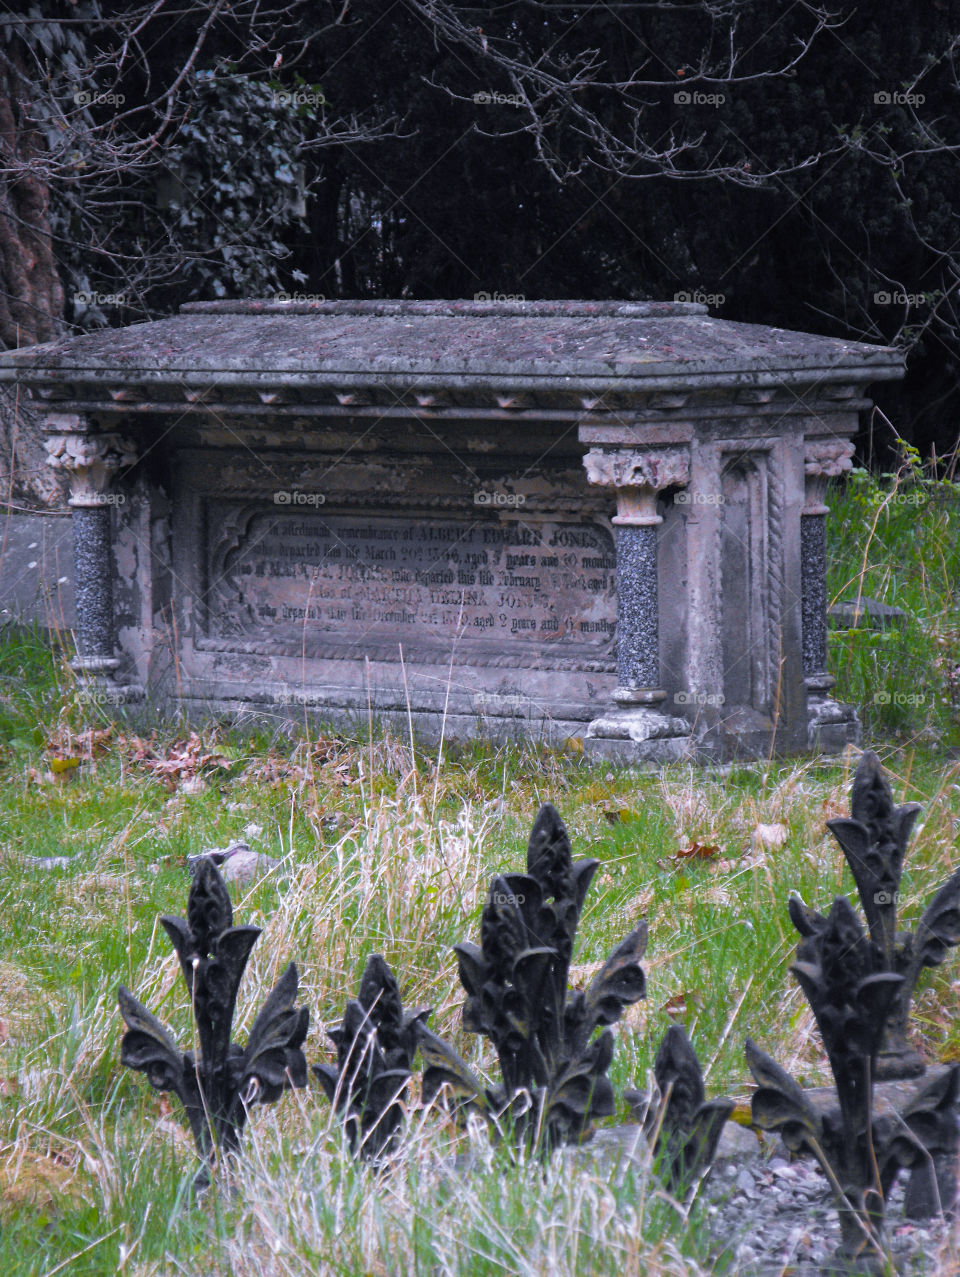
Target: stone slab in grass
{"type": "Point", "coordinates": [864, 612]}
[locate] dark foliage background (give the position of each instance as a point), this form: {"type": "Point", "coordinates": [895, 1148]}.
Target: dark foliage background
{"type": "Point", "coordinates": [797, 165]}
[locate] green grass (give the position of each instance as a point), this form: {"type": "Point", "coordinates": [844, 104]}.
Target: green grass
{"type": "Point", "coordinates": [393, 854]}
{"type": "Point", "coordinates": [896, 538]}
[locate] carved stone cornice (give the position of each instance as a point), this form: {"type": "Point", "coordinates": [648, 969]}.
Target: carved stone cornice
{"type": "Point", "coordinates": [91, 460]}
{"type": "Point", "coordinates": [823, 459]}
{"type": "Point", "coordinates": [637, 475]}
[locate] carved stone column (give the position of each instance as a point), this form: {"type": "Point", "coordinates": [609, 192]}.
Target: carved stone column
{"type": "Point", "coordinates": [831, 724]}
{"type": "Point", "coordinates": [92, 460]}
{"type": "Point", "coordinates": [637, 476]}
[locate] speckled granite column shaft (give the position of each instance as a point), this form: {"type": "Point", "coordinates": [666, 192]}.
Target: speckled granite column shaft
{"type": "Point", "coordinates": [93, 585]}
{"type": "Point", "coordinates": [813, 574]}
{"type": "Point", "coordinates": [638, 636]}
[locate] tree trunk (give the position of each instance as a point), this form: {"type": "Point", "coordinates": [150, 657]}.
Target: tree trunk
{"type": "Point", "coordinates": [31, 295]}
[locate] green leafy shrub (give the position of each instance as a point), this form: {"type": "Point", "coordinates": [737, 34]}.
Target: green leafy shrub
{"type": "Point", "coordinates": [893, 537]}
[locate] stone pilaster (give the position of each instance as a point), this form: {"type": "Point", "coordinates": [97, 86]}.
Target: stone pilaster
{"type": "Point", "coordinates": [831, 724]}
{"type": "Point", "coordinates": [635, 729]}
{"type": "Point", "coordinates": [92, 461]}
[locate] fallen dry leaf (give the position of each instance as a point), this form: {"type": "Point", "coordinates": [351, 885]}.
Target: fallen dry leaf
{"type": "Point", "coordinates": [322, 762]}
{"type": "Point", "coordinates": [64, 767]}
{"type": "Point", "coordinates": [681, 1003]}
{"type": "Point", "coordinates": [698, 851]}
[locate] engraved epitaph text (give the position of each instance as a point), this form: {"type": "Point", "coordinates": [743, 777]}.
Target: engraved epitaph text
{"type": "Point", "coordinates": [364, 584]}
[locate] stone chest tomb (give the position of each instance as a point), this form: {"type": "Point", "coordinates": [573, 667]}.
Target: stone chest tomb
{"type": "Point", "coordinates": [594, 520]}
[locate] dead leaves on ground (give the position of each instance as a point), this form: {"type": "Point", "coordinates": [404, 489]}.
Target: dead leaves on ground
{"type": "Point", "coordinates": [66, 745]}
{"type": "Point", "coordinates": [699, 853]}
{"type": "Point", "coordinates": [314, 762]}
{"type": "Point", "coordinates": [188, 764]}
{"type": "Point", "coordinates": [180, 765]}
{"type": "Point", "coordinates": [176, 765]}
{"type": "Point", "coordinates": [66, 751]}
{"type": "Point", "coordinates": [37, 1181]}
{"type": "Point", "coordinates": [764, 838]}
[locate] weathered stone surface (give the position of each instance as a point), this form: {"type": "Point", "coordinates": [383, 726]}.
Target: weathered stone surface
{"type": "Point", "coordinates": [36, 570]}
{"type": "Point", "coordinates": [828, 457]}
{"type": "Point", "coordinates": [91, 459]}
{"type": "Point", "coordinates": [237, 862]}
{"type": "Point", "coordinates": [244, 342]}
{"type": "Point", "coordinates": [317, 583]}
{"type": "Point", "coordinates": [319, 484]}
{"type": "Point", "coordinates": [888, 1097]}
{"type": "Point", "coordinates": [622, 468]}
{"type": "Point", "coordinates": [865, 612]}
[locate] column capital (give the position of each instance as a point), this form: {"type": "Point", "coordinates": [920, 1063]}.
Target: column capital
{"type": "Point", "coordinates": [91, 459]}
{"type": "Point", "coordinates": [823, 459]}
{"type": "Point", "coordinates": [637, 475]}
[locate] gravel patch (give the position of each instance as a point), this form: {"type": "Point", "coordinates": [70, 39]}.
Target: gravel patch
{"type": "Point", "coordinates": [775, 1216]}
{"type": "Point", "coordinates": [771, 1215]}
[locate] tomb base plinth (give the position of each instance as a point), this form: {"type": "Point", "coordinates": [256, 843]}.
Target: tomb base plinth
{"type": "Point", "coordinates": [831, 725]}
{"type": "Point", "coordinates": [103, 681]}
{"type": "Point", "coordinates": [638, 734]}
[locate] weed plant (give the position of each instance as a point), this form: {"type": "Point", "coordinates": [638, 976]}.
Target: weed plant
{"type": "Point", "coordinates": [895, 537]}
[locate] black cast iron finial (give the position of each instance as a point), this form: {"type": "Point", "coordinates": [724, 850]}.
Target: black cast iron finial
{"type": "Point", "coordinates": [841, 974]}
{"type": "Point", "coordinates": [874, 840]}
{"type": "Point", "coordinates": [219, 1083]}
{"type": "Point", "coordinates": [376, 1044]}
{"type": "Point", "coordinates": [553, 1068]}
{"type": "Point", "coordinates": [682, 1124]}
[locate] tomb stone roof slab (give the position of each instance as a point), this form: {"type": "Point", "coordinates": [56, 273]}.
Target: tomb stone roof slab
{"type": "Point", "coordinates": [620, 346]}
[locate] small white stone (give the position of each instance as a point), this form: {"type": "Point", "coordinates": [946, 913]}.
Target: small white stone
{"type": "Point", "coordinates": [770, 835]}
